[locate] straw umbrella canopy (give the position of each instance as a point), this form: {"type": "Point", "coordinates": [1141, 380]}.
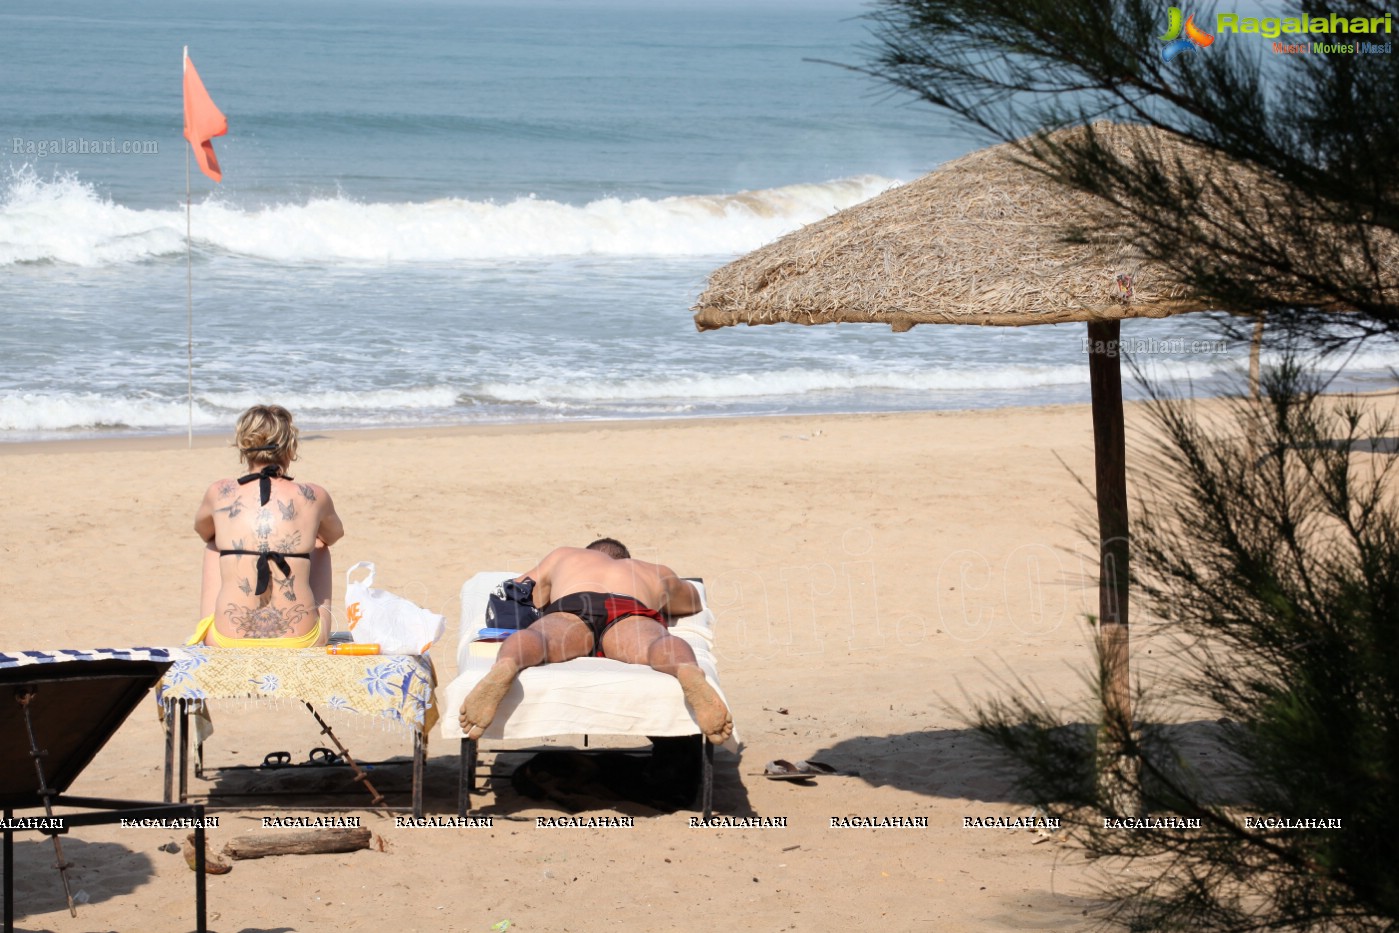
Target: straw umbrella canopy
{"type": "Point", "coordinates": [982, 240]}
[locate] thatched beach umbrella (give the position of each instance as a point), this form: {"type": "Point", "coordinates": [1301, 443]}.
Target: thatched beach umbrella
{"type": "Point", "coordinates": [981, 240]}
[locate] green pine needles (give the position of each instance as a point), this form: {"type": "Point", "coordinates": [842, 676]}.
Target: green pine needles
{"type": "Point", "coordinates": [1267, 546]}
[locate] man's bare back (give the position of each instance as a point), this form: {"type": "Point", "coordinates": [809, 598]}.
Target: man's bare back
{"type": "Point", "coordinates": [569, 570]}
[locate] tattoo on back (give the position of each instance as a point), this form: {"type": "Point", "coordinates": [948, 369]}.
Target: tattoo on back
{"type": "Point", "coordinates": [227, 488]}
{"type": "Point", "coordinates": [288, 543]}
{"type": "Point", "coordinates": [307, 492]}
{"type": "Point", "coordinates": [264, 621]}
{"type": "Point", "coordinates": [288, 510]}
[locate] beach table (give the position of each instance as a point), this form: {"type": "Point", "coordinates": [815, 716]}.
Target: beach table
{"type": "Point", "coordinates": [57, 710]}
{"type": "Point", "coordinates": [393, 690]}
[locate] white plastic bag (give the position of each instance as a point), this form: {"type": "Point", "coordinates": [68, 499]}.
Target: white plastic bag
{"type": "Point", "coordinates": [395, 624]}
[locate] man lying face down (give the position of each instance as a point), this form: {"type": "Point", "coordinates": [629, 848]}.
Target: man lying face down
{"type": "Point", "coordinates": [599, 601]}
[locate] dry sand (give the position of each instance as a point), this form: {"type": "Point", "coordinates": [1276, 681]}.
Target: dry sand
{"type": "Point", "coordinates": [869, 573]}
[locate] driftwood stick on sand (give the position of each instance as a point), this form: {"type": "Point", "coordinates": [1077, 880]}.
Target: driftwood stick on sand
{"type": "Point", "coordinates": [302, 842]}
{"type": "Point", "coordinates": [213, 865]}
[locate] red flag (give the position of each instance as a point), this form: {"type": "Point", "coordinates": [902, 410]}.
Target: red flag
{"type": "Point", "coordinates": [203, 121]}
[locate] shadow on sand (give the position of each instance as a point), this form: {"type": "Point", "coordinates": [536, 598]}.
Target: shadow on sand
{"type": "Point", "coordinates": [665, 781]}
{"type": "Point", "coordinates": [507, 782]}
{"type": "Point", "coordinates": [949, 763]}
{"type": "Point", "coordinates": [99, 872]}
{"type": "Point", "coordinates": [960, 763]}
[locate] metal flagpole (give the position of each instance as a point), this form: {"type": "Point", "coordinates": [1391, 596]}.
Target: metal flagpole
{"type": "Point", "coordinates": [189, 289]}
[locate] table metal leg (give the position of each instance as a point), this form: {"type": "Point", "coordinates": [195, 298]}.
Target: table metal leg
{"type": "Point", "coordinates": [419, 766]}
{"type": "Point", "coordinates": [200, 903]}
{"type": "Point", "coordinates": [9, 873]}
{"type": "Point", "coordinates": [184, 751]}
{"type": "Point", "coordinates": [169, 753]}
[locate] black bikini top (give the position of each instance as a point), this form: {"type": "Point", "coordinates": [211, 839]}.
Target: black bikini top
{"type": "Point", "coordinates": [264, 478]}
{"type": "Point", "coordinates": [266, 558]}
{"type": "Point", "coordinates": [264, 571]}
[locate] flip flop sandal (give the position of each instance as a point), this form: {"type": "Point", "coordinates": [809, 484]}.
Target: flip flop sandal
{"type": "Point", "coordinates": [277, 760]}
{"type": "Point", "coordinates": [820, 767]}
{"type": "Point", "coordinates": [323, 756]}
{"type": "Point", "coordinates": [783, 770]}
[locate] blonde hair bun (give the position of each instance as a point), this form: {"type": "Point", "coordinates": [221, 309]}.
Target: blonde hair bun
{"type": "Point", "coordinates": [265, 434]}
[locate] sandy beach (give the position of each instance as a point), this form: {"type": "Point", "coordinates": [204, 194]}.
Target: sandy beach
{"type": "Point", "coordinates": [869, 573]}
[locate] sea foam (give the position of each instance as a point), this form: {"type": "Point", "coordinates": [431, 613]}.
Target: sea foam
{"type": "Point", "coordinates": [775, 384]}
{"type": "Point", "coordinates": [33, 412]}
{"type": "Point", "coordinates": [65, 220]}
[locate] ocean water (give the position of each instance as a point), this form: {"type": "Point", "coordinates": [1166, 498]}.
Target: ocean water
{"type": "Point", "coordinates": [450, 212]}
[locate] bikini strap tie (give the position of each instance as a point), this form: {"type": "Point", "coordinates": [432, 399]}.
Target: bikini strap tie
{"type": "Point", "coordinates": [264, 478]}
{"type": "Point", "coordinates": [264, 572]}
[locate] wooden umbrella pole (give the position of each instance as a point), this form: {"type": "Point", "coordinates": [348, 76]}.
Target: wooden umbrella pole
{"type": "Point", "coordinates": [1117, 769]}
{"type": "Point", "coordinates": [359, 772]}
{"type": "Point", "coordinates": [1255, 352]}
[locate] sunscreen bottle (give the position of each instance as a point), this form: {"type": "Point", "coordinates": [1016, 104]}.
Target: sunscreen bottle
{"type": "Point", "coordinates": [352, 647]}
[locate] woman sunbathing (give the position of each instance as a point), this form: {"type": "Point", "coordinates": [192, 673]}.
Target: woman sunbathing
{"type": "Point", "coordinates": [267, 570]}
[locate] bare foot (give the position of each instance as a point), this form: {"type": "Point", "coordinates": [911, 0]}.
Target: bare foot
{"type": "Point", "coordinates": [478, 709]}
{"type": "Point", "coordinates": [710, 711]}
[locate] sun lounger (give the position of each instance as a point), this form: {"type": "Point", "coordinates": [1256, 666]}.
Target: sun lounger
{"type": "Point", "coordinates": [585, 696]}
{"type": "Point", "coordinates": [57, 710]}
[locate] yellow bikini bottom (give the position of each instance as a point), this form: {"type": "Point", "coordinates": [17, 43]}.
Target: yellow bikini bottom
{"type": "Point", "coordinates": [206, 625]}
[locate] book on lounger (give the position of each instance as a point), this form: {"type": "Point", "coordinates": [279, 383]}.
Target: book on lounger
{"type": "Point", "coordinates": [494, 634]}
{"type": "Point", "coordinates": [487, 642]}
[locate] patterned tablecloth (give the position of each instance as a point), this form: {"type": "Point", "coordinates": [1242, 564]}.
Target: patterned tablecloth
{"type": "Point", "coordinates": [395, 689]}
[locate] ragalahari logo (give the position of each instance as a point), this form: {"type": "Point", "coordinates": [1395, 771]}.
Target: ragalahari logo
{"type": "Point", "coordinates": [1194, 37]}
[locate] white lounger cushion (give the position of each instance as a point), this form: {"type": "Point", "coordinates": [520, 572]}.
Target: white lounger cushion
{"type": "Point", "coordinates": [585, 696]}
